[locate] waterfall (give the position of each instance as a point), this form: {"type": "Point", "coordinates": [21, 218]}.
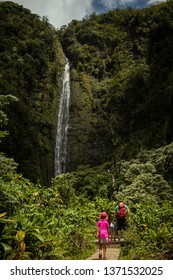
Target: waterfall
{"type": "Point", "coordinates": [62, 126]}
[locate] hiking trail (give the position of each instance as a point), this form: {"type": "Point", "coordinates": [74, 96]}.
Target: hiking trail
{"type": "Point", "coordinates": [113, 253]}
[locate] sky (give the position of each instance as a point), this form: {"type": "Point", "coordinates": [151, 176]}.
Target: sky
{"type": "Point", "coordinates": [62, 12]}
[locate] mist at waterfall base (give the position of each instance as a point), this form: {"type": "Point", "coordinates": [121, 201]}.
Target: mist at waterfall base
{"type": "Point", "coordinates": [63, 122]}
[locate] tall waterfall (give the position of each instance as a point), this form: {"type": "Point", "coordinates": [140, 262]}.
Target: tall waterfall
{"type": "Point", "coordinates": [62, 126]}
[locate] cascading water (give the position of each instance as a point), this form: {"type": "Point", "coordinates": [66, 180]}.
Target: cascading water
{"type": "Point", "coordinates": [62, 126]}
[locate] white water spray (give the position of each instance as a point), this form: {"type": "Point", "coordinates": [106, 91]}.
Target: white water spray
{"type": "Point", "coordinates": [62, 126]}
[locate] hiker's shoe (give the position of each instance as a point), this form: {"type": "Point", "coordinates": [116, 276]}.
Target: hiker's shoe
{"type": "Point", "coordinates": [104, 258]}
{"type": "Point", "coordinates": [100, 256]}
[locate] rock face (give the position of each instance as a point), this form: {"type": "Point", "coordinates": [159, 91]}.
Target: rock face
{"type": "Point", "coordinates": [31, 69]}
{"type": "Point", "coordinates": [116, 100]}
{"type": "Point", "coordinates": [88, 135]}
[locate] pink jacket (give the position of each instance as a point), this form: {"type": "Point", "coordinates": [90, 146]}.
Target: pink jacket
{"type": "Point", "coordinates": [103, 228]}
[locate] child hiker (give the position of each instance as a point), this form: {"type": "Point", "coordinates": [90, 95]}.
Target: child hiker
{"type": "Point", "coordinates": [103, 234]}
{"type": "Point", "coordinates": [113, 230]}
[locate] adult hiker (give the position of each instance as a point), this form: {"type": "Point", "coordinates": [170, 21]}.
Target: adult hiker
{"type": "Point", "coordinates": [103, 234]}
{"type": "Point", "coordinates": [121, 212]}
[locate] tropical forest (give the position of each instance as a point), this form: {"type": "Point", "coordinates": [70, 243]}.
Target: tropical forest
{"type": "Point", "coordinates": [119, 145]}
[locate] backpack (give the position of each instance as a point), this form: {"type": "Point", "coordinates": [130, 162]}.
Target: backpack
{"type": "Point", "coordinates": [121, 213]}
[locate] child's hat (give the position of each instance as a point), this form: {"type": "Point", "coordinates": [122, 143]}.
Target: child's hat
{"type": "Point", "coordinates": [103, 216]}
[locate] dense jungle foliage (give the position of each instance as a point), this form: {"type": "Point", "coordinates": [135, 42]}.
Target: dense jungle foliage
{"type": "Point", "coordinates": [120, 137]}
{"type": "Point", "coordinates": [31, 65]}
{"type": "Point", "coordinates": [122, 83]}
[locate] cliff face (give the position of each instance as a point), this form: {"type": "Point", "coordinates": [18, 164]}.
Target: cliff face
{"type": "Point", "coordinates": [121, 68]}
{"type": "Point", "coordinates": [89, 140]}
{"type": "Point", "coordinates": [31, 66]}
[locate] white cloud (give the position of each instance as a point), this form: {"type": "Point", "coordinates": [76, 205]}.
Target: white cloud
{"type": "Point", "coordinates": [112, 3]}
{"type": "Point", "coordinates": [58, 12]}
{"type": "Point", "coordinates": [123, 3]}
{"type": "Point", "coordinates": [150, 2]}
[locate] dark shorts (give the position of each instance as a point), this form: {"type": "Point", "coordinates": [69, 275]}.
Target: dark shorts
{"type": "Point", "coordinates": [121, 224]}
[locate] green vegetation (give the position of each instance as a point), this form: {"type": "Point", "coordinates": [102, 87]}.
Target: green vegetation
{"type": "Point", "coordinates": [150, 232]}
{"type": "Point", "coordinates": [121, 83]}
{"type": "Point", "coordinates": [58, 222]}
{"type": "Point", "coordinates": [35, 222]}
{"type": "Point", "coordinates": [120, 134]}
{"type": "Point", "coordinates": [31, 66]}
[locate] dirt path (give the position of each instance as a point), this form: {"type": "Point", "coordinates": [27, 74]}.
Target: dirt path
{"type": "Point", "coordinates": [112, 254]}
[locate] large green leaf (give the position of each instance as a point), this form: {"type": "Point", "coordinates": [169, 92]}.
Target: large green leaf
{"type": "Point", "coordinates": [7, 248]}
{"type": "Point", "coordinates": [37, 235]}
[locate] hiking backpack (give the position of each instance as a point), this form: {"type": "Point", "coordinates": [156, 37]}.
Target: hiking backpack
{"type": "Point", "coordinates": [121, 213]}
